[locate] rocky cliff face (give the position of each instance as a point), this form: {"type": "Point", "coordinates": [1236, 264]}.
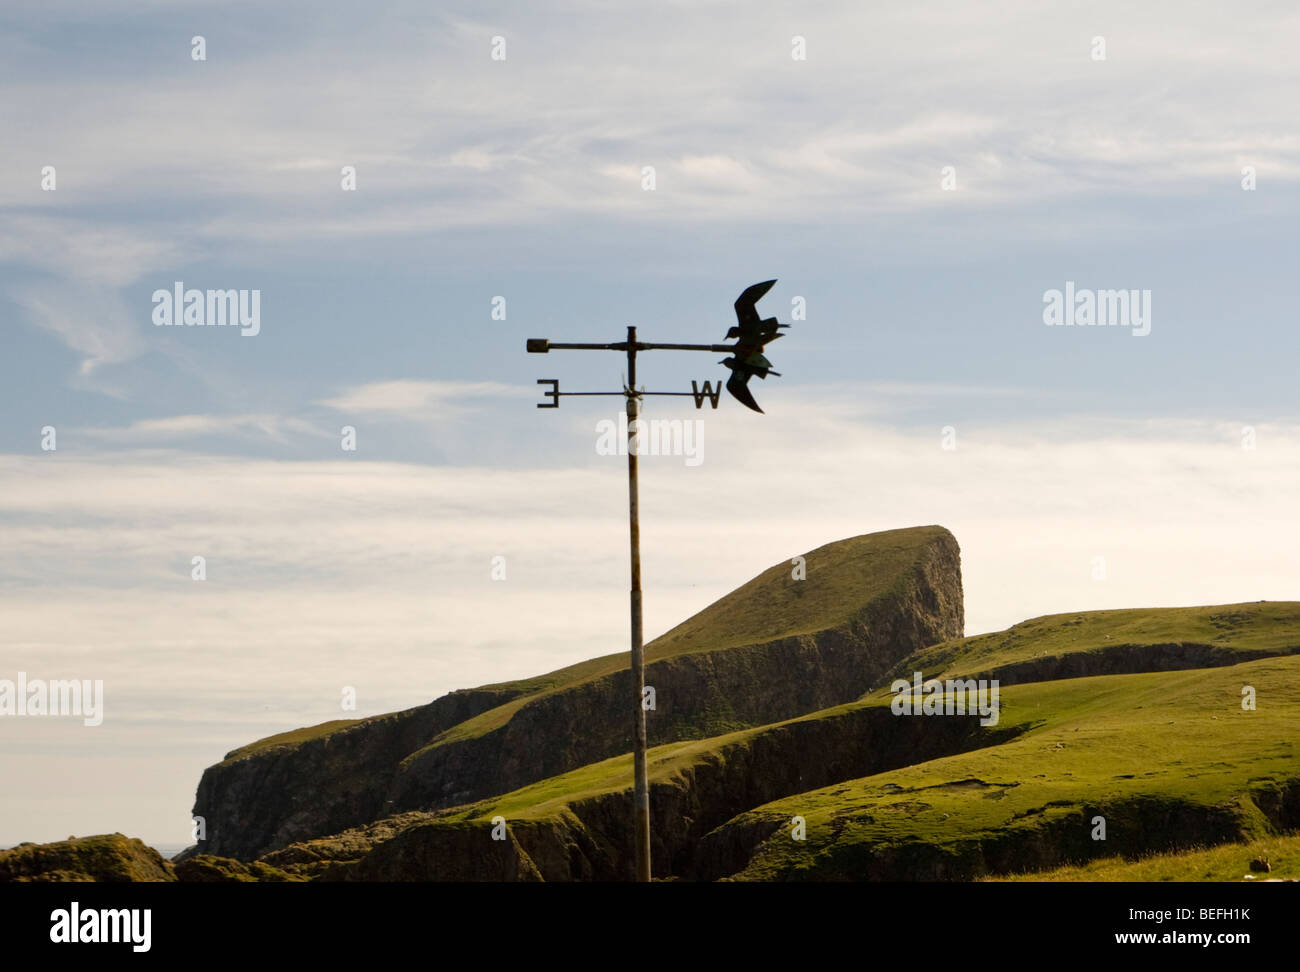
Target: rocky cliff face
{"type": "Point", "coordinates": [775, 648]}
{"type": "Point", "coordinates": [271, 793]}
{"type": "Point", "coordinates": [589, 839]}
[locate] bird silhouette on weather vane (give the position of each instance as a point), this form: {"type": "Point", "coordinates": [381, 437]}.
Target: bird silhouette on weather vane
{"type": "Point", "coordinates": [752, 334]}
{"type": "Point", "coordinates": [745, 358]}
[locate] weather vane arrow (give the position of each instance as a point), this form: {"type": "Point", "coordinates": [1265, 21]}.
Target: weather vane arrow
{"type": "Point", "coordinates": [745, 360]}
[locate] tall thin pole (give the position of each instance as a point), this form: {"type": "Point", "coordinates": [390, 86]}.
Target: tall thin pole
{"type": "Point", "coordinates": [641, 787]}
{"type": "Point", "coordinates": [746, 360]}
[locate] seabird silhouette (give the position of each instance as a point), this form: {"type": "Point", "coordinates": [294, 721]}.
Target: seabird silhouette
{"type": "Point", "coordinates": [752, 334]}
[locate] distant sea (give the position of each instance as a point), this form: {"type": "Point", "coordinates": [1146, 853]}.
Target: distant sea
{"type": "Point", "coordinates": [169, 850]}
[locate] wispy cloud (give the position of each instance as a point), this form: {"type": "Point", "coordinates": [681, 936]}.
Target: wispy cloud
{"type": "Point", "coordinates": [180, 428]}
{"type": "Point", "coordinates": [752, 122]}
{"type": "Point", "coordinates": [94, 323]}
{"type": "Point", "coordinates": [81, 268]}
{"type": "Point", "coordinates": [414, 399]}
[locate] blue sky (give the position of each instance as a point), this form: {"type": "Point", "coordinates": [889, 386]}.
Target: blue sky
{"type": "Point", "coordinates": [522, 178]}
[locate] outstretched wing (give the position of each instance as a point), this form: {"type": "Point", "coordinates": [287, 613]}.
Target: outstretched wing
{"type": "Point", "coordinates": [738, 385]}
{"type": "Point", "coordinates": [746, 312]}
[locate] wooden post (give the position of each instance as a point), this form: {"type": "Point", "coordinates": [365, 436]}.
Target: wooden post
{"type": "Point", "coordinates": [640, 788]}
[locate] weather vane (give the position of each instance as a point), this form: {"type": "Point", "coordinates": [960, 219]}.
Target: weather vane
{"type": "Point", "coordinates": [745, 360]}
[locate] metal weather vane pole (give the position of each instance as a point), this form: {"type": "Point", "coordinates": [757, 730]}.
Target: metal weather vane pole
{"type": "Point", "coordinates": [746, 360]}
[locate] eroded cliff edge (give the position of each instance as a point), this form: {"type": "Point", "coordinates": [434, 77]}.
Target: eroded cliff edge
{"type": "Point", "coordinates": [777, 647]}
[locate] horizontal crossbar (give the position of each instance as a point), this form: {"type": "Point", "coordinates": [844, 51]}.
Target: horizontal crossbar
{"type": "Point", "coordinates": [544, 345]}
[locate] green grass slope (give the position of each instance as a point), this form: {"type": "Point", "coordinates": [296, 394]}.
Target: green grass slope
{"type": "Point", "coordinates": [290, 739]}
{"type": "Point", "coordinates": [695, 785]}
{"type": "Point", "coordinates": [1228, 862]}
{"type": "Point", "coordinates": [841, 577]}
{"type": "Point", "coordinates": [1112, 642]}
{"type": "Point", "coordinates": [1170, 759]}
{"type": "Point", "coordinates": [1272, 627]}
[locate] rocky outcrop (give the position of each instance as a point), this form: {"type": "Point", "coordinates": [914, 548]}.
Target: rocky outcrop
{"type": "Point", "coordinates": [779, 646]}
{"type": "Point", "coordinates": [1139, 827]}
{"type": "Point", "coordinates": [109, 858]}
{"type": "Point", "coordinates": [717, 807]}
{"type": "Point", "coordinates": [271, 793]}
{"type": "Point", "coordinates": [206, 869]}
{"type": "Point", "coordinates": [590, 838]}
{"type": "Point", "coordinates": [451, 852]}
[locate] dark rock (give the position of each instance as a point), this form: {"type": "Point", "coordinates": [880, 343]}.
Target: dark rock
{"type": "Point", "coordinates": [205, 868]}
{"type": "Point", "coordinates": [453, 852]}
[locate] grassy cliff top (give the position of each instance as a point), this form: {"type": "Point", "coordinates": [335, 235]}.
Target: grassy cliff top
{"type": "Point", "coordinates": [848, 574]}
{"type": "Point", "coordinates": [1172, 734]}
{"type": "Point", "coordinates": [1227, 862]}
{"type": "Point", "coordinates": [1271, 627]}
{"type": "Point", "coordinates": [1120, 745]}
{"type": "Point", "coordinates": [842, 578]}
{"type": "Point", "coordinates": [1116, 744]}
{"type": "Point", "coordinates": [1144, 749]}
{"type": "Point", "coordinates": [291, 738]}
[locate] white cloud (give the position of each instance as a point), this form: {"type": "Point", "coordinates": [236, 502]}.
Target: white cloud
{"type": "Point", "coordinates": [276, 428]}
{"type": "Point", "coordinates": [1179, 510]}
{"type": "Point", "coordinates": [416, 399]}
{"type": "Point", "coordinates": [98, 255]}
{"type": "Point", "coordinates": [84, 266]}
{"type": "Point", "coordinates": [885, 99]}
{"type": "Point", "coordinates": [92, 322]}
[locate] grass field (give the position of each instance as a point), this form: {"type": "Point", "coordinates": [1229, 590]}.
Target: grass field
{"type": "Point", "coordinates": [1263, 627]}
{"type": "Point", "coordinates": [1228, 862]}
{"type": "Point", "coordinates": [1188, 784]}
{"type": "Point", "coordinates": [1168, 758]}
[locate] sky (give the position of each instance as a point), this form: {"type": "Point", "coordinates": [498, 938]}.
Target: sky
{"type": "Point", "coordinates": [917, 182]}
